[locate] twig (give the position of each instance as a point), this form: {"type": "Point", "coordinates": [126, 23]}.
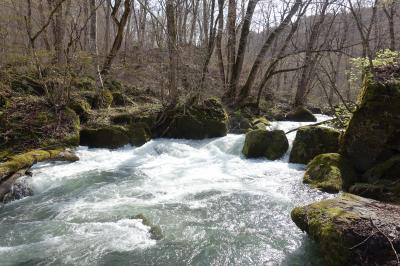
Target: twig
{"type": "Point", "coordinates": [362, 242]}
{"type": "Point", "coordinates": [316, 124]}
{"type": "Point", "coordinates": [388, 239]}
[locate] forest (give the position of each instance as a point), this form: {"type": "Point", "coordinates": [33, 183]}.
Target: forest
{"type": "Point", "coordinates": [199, 132]}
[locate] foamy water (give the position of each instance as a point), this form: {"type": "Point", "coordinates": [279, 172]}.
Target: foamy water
{"type": "Point", "coordinates": [214, 206]}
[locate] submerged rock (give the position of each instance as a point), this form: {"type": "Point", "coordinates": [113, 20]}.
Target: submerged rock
{"type": "Point", "coordinates": [155, 230]}
{"type": "Point", "coordinates": [262, 143]}
{"type": "Point", "coordinates": [311, 141]}
{"type": "Point", "coordinates": [301, 114]}
{"type": "Point", "coordinates": [373, 134]}
{"type": "Point", "coordinates": [326, 172]}
{"type": "Point", "coordinates": [19, 190]}
{"type": "Point", "coordinates": [199, 121]}
{"type": "Point", "coordinates": [352, 230]}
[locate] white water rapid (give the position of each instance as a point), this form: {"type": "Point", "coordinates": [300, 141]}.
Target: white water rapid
{"type": "Point", "coordinates": [214, 206]}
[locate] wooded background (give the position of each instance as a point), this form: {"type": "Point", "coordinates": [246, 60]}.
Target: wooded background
{"type": "Point", "coordinates": [296, 51]}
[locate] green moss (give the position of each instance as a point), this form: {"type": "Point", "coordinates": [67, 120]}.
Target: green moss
{"type": "Point", "coordinates": [82, 108]}
{"type": "Point", "coordinates": [323, 222]}
{"type": "Point", "coordinates": [72, 138]}
{"type": "Point", "coordinates": [311, 141]}
{"type": "Point", "coordinates": [328, 172]}
{"type": "Point", "coordinates": [84, 83]}
{"type": "Point", "coordinates": [103, 100]}
{"type": "Point", "coordinates": [389, 169]}
{"type": "Point", "coordinates": [373, 191]}
{"type": "Point", "coordinates": [374, 128]}
{"type": "Point", "coordinates": [120, 99]}
{"type": "Point", "coordinates": [25, 160]}
{"type": "Point", "coordinates": [206, 120]}
{"type": "Point", "coordinates": [139, 134]}
{"type": "Point", "coordinates": [262, 143]}
{"type": "Point", "coordinates": [27, 84]}
{"type": "Point", "coordinates": [301, 114]}
{"type": "Point", "coordinates": [111, 137]}
{"type": "Point", "coordinates": [259, 123]}
{"type": "Point", "coordinates": [148, 118]}
{"type": "Point", "coordinates": [113, 85]}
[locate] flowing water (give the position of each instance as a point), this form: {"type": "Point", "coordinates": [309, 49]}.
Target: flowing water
{"type": "Point", "coordinates": [214, 207]}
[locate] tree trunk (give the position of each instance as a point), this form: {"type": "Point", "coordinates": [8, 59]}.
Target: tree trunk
{"type": "Point", "coordinates": [219, 41]}
{"type": "Point", "coordinates": [173, 53]}
{"type": "Point", "coordinates": [237, 68]}
{"type": "Point", "coordinates": [231, 48]}
{"type": "Point", "coordinates": [195, 4]}
{"type": "Point", "coordinates": [108, 27]}
{"type": "Point", "coordinates": [205, 23]}
{"type": "Point", "coordinates": [59, 35]}
{"type": "Point", "coordinates": [119, 36]}
{"type": "Point", "coordinates": [309, 58]}
{"type": "Point", "coordinates": [245, 91]}
{"type": "Point", "coordinates": [43, 21]}
{"type": "Point", "coordinates": [93, 27]}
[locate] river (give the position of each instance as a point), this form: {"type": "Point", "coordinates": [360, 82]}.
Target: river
{"type": "Point", "coordinates": [214, 206]}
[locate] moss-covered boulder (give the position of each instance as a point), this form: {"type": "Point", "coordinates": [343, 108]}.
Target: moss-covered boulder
{"type": "Point", "coordinates": [198, 121]}
{"type": "Point", "coordinates": [110, 137]}
{"type": "Point", "coordinates": [311, 141]}
{"type": "Point", "coordinates": [115, 136]}
{"type": "Point", "coordinates": [326, 172]}
{"type": "Point", "coordinates": [81, 107]}
{"type": "Point", "coordinates": [120, 99]}
{"type": "Point", "coordinates": [373, 133]}
{"type": "Point", "coordinates": [385, 190]}
{"type": "Point", "coordinates": [389, 169]}
{"type": "Point", "coordinates": [103, 99]}
{"type": "Point", "coordinates": [138, 133]}
{"type": "Point", "coordinates": [27, 159]}
{"type": "Point", "coordinates": [28, 123]}
{"type": "Point", "coordinates": [240, 122]}
{"type": "Point", "coordinates": [301, 114]}
{"type": "Point", "coordinates": [345, 229]}
{"type": "Point", "coordinates": [27, 84]}
{"type": "Point", "coordinates": [84, 83]}
{"type": "Point", "coordinates": [262, 143]}
{"type": "Point", "coordinates": [113, 85]}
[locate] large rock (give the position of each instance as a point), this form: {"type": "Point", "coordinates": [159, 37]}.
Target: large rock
{"type": "Point", "coordinates": [115, 136]}
{"type": "Point", "coordinates": [28, 123]}
{"type": "Point", "coordinates": [240, 122]}
{"type": "Point", "coordinates": [81, 107]}
{"type": "Point", "coordinates": [326, 172]}
{"type": "Point", "coordinates": [373, 134]}
{"type": "Point", "coordinates": [311, 141]}
{"type": "Point", "coordinates": [27, 159]}
{"type": "Point", "coordinates": [381, 182]}
{"type": "Point", "coordinates": [262, 143]}
{"type": "Point", "coordinates": [351, 230]}
{"type": "Point", "coordinates": [301, 114]}
{"type": "Point", "coordinates": [198, 121]}
{"type": "Point", "coordinates": [110, 137]}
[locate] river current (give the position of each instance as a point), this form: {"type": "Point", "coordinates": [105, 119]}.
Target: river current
{"type": "Point", "coordinates": [214, 207]}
